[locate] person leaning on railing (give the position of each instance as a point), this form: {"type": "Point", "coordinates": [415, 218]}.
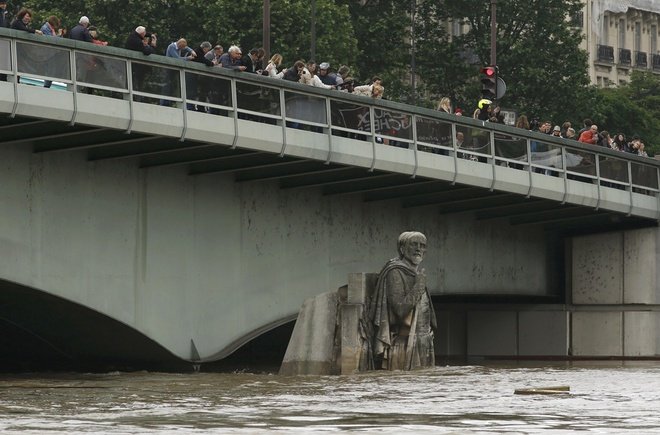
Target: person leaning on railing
{"type": "Point", "coordinates": [139, 40]}
{"type": "Point", "coordinates": [23, 20]}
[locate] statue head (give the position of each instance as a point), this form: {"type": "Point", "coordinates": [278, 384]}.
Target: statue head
{"type": "Point", "coordinates": [412, 247]}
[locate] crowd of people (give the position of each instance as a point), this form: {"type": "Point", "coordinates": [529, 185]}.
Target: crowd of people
{"type": "Point", "coordinates": [589, 133]}
{"type": "Point", "coordinates": [254, 62]}
{"type": "Point", "coordinates": [321, 75]}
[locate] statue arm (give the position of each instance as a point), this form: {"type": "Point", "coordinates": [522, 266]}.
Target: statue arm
{"type": "Point", "coordinates": [401, 298]}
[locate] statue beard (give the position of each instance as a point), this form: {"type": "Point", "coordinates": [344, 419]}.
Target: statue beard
{"type": "Point", "coordinates": [415, 259]}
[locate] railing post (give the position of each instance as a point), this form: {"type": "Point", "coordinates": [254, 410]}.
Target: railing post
{"type": "Point", "coordinates": [492, 158]}
{"type": "Point", "coordinates": [234, 105]}
{"type": "Point", "coordinates": [372, 123]}
{"type": "Point", "coordinates": [657, 194]}
{"type": "Point", "coordinates": [454, 145]}
{"type": "Point", "coordinates": [74, 84]}
{"type": "Point", "coordinates": [413, 119]}
{"type": "Point", "coordinates": [630, 181]}
{"type": "Point", "coordinates": [184, 103]}
{"type": "Point", "coordinates": [14, 69]}
{"type": "Point", "coordinates": [563, 165]}
{"type": "Point", "coordinates": [328, 118]}
{"type": "Point", "coordinates": [529, 166]}
{"type": "Point", "coordinates": [129, 83]}
{"type": "Point", "coordinates": [598, 183]}
{"type": "Point", "coordinates": [283, 113]}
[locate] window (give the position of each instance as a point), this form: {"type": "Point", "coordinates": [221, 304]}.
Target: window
{"type": "Point", "coordinates": [622, 33]}
{"type": "Point", "coordinates": [638, 36]}
{"type": "Point", "coordinates": [456, 28]}
{"type": "Point", "coordinates": [654, 39]}
{"type": "Point", "coordinates": [605, 36]}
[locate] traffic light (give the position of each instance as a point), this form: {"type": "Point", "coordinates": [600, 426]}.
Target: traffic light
{"type": "Point", "coordinates": [489, 82]}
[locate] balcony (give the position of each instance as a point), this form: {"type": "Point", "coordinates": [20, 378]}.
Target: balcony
{"type": "Point", "coordinates": [656, 62]}
{"type": "Point", "coordinates": [641, 59]}
{"type": "Point", "coordinates": [625, 57]}
{"type": "Point", "coordinates": [605, 53]}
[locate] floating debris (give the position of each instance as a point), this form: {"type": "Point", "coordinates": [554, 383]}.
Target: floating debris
{"type": "Point", "coordinates": [561, 389]}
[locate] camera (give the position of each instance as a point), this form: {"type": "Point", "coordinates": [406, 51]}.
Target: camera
{"type": "Point", "coordinates": [534, 124]}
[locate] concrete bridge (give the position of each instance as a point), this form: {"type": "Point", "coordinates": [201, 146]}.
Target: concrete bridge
{"type": "Point", "coordinates": [139, 232]}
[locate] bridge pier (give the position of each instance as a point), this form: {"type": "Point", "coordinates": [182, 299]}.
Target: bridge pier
{"type": "Point", "coordinates": [611, 309]}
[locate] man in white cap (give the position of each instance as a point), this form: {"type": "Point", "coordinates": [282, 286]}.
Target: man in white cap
{"type": "Point", "coordinates": [80, 31]}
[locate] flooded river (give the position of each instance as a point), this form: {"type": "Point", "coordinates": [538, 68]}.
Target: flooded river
{"type": "Point", "coordinates": [611, 397]}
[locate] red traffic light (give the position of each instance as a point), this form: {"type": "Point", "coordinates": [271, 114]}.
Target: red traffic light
{"type": "Point", "coordinates": [488, 71]}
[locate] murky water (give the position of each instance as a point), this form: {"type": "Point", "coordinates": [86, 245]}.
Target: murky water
{"type": "Point", "coordinates": [607, 398]}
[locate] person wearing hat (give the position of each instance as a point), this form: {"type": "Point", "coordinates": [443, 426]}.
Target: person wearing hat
{"type": "Point", "coordinates": [483, 105]}
{"type": "Point", "coordinates": [80, 32]}
{"type": "Point", "coordinates": [327, 77]}
{"type": "Point", "coordinates": [556, 131]}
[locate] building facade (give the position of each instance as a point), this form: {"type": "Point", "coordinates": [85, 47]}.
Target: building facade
{"type": "Point", "coordinates": [621, 36]}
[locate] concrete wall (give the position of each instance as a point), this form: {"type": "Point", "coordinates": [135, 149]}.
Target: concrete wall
{"type": "Point", "coordinates": [205, 258]}
{"type": "Point", "coordinates": [612, 308]}
{"type": "Point", "coordinates": [615, 294]}
{"type": "Point", "coordinates": [504, 331]}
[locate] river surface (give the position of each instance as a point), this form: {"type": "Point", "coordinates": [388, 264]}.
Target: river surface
{"type": "Point", "coordinates": [610, 397]}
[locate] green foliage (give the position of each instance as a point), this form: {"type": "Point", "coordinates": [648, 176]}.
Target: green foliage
{"type": "Point", "coordinates": [632, 109]}
{"type": "Point", "coordinates": [382, 29]}
{"type": "Point", "coordinates": [538, 54]}
{"type": "Point", "coordinates": [538, 50]}
{"type": "Point", "coordinates": [224, 21]}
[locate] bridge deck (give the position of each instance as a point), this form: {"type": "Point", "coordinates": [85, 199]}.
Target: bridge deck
{"type": "Point", "coordinates": [107, 104]}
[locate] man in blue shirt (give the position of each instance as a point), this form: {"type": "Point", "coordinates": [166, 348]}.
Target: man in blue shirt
{"type": "Point", "coordinates": [178, 50]}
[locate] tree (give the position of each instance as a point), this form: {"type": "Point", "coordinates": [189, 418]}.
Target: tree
{"type": "Point", "coordinates": [225, 21]}
{"type": "Point", "coordinates": [382, 29]}
{"type": "Point", "coordinates": [538, 54]}
{"type": "Point", "coordinates": [632, 109]}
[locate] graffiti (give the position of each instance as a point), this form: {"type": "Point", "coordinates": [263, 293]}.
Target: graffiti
{"type": "Point", "coordinates": [385, 121]}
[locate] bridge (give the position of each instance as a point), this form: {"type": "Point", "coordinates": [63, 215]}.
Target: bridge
{"type": "Point", "coordinates": [159, 213]}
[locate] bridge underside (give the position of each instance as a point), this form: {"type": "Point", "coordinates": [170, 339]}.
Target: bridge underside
{"type": "Point", "coordinates": [148, 151]}
{"type": "Point", "coordinates": [40, 331]}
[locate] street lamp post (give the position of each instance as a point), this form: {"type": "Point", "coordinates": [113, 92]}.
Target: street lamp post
{"type": "Point", "coordinates": [413, 81]}
{"type": "Point", "coordinates": [266, 29]}
{"type": "Point", "coordinates": [312, 48]}
{"type": "Point", "coordinates": [493, 32]}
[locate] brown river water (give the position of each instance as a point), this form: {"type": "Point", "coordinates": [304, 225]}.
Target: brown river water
{"type": "Point", "coordinates": [608, 397]}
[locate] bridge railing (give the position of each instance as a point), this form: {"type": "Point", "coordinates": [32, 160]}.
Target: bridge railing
{"type": "Point", "coordinates": [117, 73]}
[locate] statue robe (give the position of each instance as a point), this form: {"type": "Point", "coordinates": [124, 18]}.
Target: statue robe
{"type": "Point", "coordinates": [394, 307]}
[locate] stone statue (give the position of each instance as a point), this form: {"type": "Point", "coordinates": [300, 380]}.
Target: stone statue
{"type": "Point", "coordinates": [398, 328]}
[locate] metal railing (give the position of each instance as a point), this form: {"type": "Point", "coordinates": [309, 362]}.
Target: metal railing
{"type": "Point", "coordinates": [605, 53]}
{"type": "Point", "coordinates": [656, 62]}
{"type": "Point", "coordinates": [625, 57]}
{"type": "Point", "coordinates": [111, 72]}
{"type": "Point", "coordinates": [641, 59]}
